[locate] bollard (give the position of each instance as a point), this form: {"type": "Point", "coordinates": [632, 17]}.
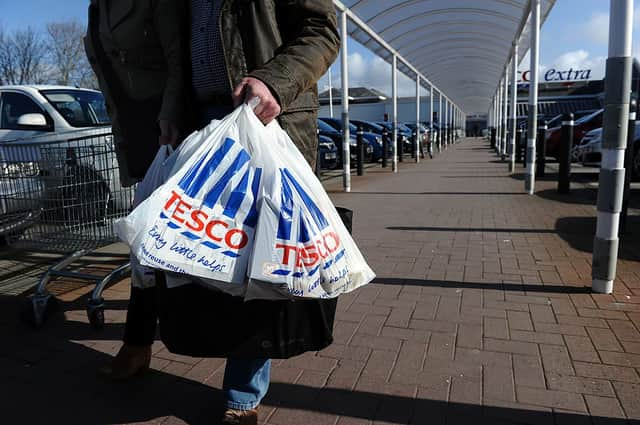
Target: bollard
{"type": "Point", "coordinates": [493, 137]}
{"type": "Point", "coordinates": [541, 149]}
{"type": "Point", "coordinates": [519, 145]}
{"type": "Point", "coordinates": [360, 151]}
{"type": "Point", "coordinates": [400, 147]}
{"type": "Point", "coordinates": [628, 165]}
{"type": "Point", "coordinates": [318, 154]}
{"type": "Point", "coordinates": [414, 144]}
{"type": "Point", "coordinates": [566, 143]}
{"type": "Point", "coordinates": [385, 147]}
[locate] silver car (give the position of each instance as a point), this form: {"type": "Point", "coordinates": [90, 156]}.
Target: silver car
{"type": "Point", "coordinates": [56, 148]}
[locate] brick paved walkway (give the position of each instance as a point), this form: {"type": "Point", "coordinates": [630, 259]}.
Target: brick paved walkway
{"type": "Point", "coordinates": [481, 314]}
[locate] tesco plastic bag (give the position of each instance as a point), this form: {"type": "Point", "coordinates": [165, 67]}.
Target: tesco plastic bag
{"type": "Point", "coordinates": [141, 276]}
{"type": "Point", "coordinates": [201, 222]}
{"type": "Point", "coordinates": [302, 247]}
{"type": "Point", "coordinates": [231, 177]}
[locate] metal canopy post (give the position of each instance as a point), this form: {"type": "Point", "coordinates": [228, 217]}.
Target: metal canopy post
{"type": "Point", "coordinates": [505, 119]}
{"type": "Point", "coordinates": [418, 144]}
{"type": "Point", "coordinates": [514, 105]}
{"type": "Point", "coordinates": [330, 94]}
{"type": "Point", "coordinates": [499, 119]}
{"type": "Point", "coordinates": [495, 118]}
{"type": "Point", "coordinates": [532, 128]}
{"type": "Point", "coordinates": [431, 127]}
{"type": "Point", "coordinates": [346, 151]}
{"type": "Point", "coordinates": [394, 95]}
{"type": "Point", "coordinates": [440, 129]}
{"type": "Point", "coordinates": [446, 123]}
{"type": "Point", "coordinates": [614, 142]}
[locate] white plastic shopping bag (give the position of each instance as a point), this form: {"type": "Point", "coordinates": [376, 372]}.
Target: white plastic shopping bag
{"type": "Point", "coordinates": [302, 247]}
{"type": "Point", "coordinates": [142, 276]}
{"type": "Point", "coordinates": [201, 222]}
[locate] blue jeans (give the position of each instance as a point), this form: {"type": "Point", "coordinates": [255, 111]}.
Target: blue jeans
{"type": "Point", "coordinates": [246, 382]}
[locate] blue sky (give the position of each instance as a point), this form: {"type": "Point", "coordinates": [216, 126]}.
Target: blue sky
{"type": "Point", "coordinates": [574, 35]}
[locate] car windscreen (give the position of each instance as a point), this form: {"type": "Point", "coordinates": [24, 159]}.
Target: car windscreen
{"type": "Point", "coordinates": [338, 124]}
{"type": "Point", "coordinates": [587, 118]}
{"type": "Point", "coordinates": [369, 126]}
{"type": "Point", "coordinates": [79, 108]}
{"type": "Point", "coordinates": [323, 126]}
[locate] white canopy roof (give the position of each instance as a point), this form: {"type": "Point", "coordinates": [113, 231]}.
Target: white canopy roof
{"type": "Point", "coordinates": [461, 46]}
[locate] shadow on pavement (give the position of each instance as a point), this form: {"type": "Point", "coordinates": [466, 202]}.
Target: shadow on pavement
{"type": "Point", "coordinates": [49, 377]}
{"type": "Point", "coordinates": [585, 196]}
{"type": "Point", "coordinates": [442, 193]}
{"type": "Point", "coordinates": [579, 233]}
{"type": "Point", "coordinates": [471, 229]}
{"type": "Point", "coordinates": [516, 287]}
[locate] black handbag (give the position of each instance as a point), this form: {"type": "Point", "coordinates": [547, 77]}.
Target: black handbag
{"type": "Point", "coordinates": [201, 322]}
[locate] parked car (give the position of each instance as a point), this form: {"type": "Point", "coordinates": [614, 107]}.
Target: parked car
{"type": "Point", "coordinates": [582, 126]}
{"type": "Point", "coordinates": [326, 130]}
{"type": "Point", "coordinates": [328, 153]}
{"type": "Point", "coordinates": [374, 128]}
{"type": "Point", "coordinates": [373, 147]}
{"type": "Point", "coordinates": [404, 135]}
{"type": "Point", "coordinates": [51, 137]}
{"type": "Point", "coordinates": [589, 150]}
{"type": "Point", "coordinates": [424, 130]}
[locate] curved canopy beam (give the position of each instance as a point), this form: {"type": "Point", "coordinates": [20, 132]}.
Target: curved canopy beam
{"type": "Point", "coordinates": [461, 47]}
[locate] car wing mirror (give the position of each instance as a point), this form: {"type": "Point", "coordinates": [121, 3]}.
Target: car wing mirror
{"type": "Point", "coordinates": [33, 121]}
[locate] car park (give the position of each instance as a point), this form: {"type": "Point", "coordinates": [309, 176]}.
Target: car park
{"type": "Point", "coordinates": [51, 138]}
{"type": "Point", "coordinates": [373, 142]}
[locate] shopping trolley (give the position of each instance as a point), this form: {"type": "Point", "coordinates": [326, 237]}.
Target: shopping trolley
{"type": "Point", "coordinates": [62, 196]}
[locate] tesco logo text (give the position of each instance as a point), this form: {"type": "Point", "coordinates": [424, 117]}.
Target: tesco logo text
{"type": "Point", "coordinates": [310, 255]}
{"type": "Point", "coordinates": [197, 220]}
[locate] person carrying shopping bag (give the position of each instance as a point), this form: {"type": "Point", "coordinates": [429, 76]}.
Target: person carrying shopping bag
{"type": "Point", "coordinates": [276, 51]}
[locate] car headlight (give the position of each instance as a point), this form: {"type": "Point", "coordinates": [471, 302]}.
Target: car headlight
{"type": "Point", "coordinates": [15, 170]}
{"type": "Point", "coordinates": [379, 141]}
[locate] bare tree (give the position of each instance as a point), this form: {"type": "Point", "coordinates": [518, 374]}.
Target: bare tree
{"type": "Point", "coordinates": [7, 67]}
{"type": "Point", "coordinates": [22, 58]}
{"type": "Point", "coordinates": [67, 51]}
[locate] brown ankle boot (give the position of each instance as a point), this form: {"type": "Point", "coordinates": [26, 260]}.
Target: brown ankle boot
{"type": "Point", "coordinates": [130, 361]}
{"type": "Point", "coordinates": [240, 417]}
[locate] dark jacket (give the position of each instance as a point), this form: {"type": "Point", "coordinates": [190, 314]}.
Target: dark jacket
{"type": "Point", "coordinates": [136, 49]}
{"type": "Point", "coordinates": [289, 45]}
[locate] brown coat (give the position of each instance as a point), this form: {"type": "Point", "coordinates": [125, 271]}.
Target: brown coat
{"type": "Point", "coordinates": [289, 45]}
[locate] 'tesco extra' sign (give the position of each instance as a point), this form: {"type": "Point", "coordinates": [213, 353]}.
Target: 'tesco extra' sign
{"type": "Point", "coordinates": [552, 75]}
